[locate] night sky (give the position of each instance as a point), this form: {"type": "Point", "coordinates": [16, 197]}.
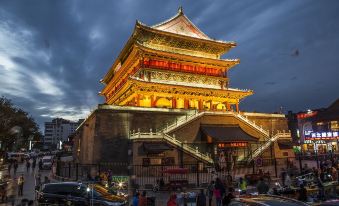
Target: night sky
{"type": "Point", "coordinates": [53, 53]}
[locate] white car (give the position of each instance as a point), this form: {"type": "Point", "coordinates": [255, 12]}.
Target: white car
{"type": "Point", "coordinates": [47, 162]}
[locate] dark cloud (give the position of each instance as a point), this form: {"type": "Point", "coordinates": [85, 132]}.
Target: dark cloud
{"type": "Point", "coordinates": [53, 53]}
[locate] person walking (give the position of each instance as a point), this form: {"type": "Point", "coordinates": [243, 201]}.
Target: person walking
{"type": "Point", "coordinates": [15, 167]}
{"type": "Point", "coordinates": [262, 187]}
{"type": "Point", "coordinates": [40, 164]}
{"type": "Point", "coordinates": [242, 185]}
{"type": "Point", "coordinates": [38, 180]}
{"type": "Point", "coordinates": [21, 182]}
{"type": "Point", "coordinates": [302, 194]}
{"type": "Point", "coordinates": [210, 189]}
{"type": "Point", "coordinates": [28, 165]}
{"type": "Point", "coordinates": [142, 199]}
{"type": "Point", "coordinates": [172, 200]}
{"type": "Point", "coordinates": [201, 199]}
{"type": "Point", "coordinates": [135, 200]}
{"type": "Point", "coordinates": [33, 164]}
{"type": "Point", "coordinates": [9, 168]}
{"type": "Point", "coordinates": [321, 189]}
{"type": "Point", "coordinates": [218, 192]}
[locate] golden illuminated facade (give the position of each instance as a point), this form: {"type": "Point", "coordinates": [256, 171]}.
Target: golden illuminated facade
{"type": "Point", "coordinates": [172, 65]}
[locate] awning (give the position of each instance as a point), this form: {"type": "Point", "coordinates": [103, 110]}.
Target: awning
{"type": "Point", "coordinates": [155, 148]}
{"type": "Point", "coordinates": [285, 144]}
{"type": "Point", "coordinates": [224, 133]}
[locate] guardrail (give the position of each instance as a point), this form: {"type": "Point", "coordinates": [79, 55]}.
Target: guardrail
{"type": "Point", "coordinates": [264, 146]}
{"type": "Point", "coordinates": [183, 120]}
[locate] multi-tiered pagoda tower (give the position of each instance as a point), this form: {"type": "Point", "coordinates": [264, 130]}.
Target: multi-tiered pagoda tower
{"type": "Point", "coordinates": [173, 65]}
{"type": "Point", "coordinates": [168, 102]}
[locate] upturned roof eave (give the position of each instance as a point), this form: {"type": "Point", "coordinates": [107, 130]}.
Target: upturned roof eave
{"type": "Point", "coordinates": [179, 14]}
{"type": "Point", "coordinates": [149, 49]}
{"type": "Point", "coordinates": [228, 44]}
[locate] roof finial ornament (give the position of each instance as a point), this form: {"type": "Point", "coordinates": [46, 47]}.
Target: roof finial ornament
{"type": "Point", "coordinates": [180, 10]}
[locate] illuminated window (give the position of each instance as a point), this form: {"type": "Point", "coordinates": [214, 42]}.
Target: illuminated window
{"type": "Point", "coordinates": [320, 123]}
{"type": "Point", "coordinates": [334, 125]}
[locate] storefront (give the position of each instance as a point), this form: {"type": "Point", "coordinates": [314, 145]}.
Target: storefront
{"type": "Point", "coordinates": [321, 142]}
{"type": "Point", "coordinates": [228, 142]}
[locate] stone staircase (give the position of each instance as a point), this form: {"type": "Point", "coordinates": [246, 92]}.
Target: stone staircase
{"type": "Point", "coordinates": [193, 115]}
{"type": "Point", "coordinates": [174, 142]}
{"type": "Point", "coordinates": [255, 153]}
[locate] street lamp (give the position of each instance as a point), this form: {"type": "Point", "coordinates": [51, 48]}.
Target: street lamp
{"type": "Point", "coordinates": [316, 152]}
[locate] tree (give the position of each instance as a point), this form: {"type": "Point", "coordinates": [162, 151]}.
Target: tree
{"type": "Point", "coordinates": [16, 126]}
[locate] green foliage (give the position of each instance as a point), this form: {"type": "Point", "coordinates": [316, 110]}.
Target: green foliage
{"type": "Point", "coordinates": [16, 126]}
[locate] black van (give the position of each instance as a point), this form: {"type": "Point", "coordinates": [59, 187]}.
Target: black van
{"type": "Point", "coordinates": [73, 193]}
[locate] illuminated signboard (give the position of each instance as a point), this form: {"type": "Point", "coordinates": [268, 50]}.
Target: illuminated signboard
{"type": "Point", "coordinates": [307, 115]}
{"type": "Point", "coordinates": [322, 135]}
{"type": "Point", "coordinates": [232, 144]}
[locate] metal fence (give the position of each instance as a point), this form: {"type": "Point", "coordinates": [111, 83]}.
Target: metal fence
{"type": "Point", "coordinates": [197, 174]}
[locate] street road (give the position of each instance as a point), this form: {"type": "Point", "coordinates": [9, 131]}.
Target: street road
{"type": "Point", "coordinates": [29, 186]}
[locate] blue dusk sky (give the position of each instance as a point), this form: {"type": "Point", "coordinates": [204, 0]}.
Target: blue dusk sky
{"type": "Point", "coordinates": [53, 53]}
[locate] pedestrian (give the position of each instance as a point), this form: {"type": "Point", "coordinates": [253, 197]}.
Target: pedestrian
{"type": "Point", "coordinates": [142, 199]}
{"type": "Point", "coordinates": [172, 200]}
{"type": "Point", "coordinates": [321, 189]}
{"type": "Point", "coordinates": [15, 167]}
{"type": "Point", "coordinates": [210, 189]}
{"type": "Point", "coordinates": [34, 164]}
{"type": "Point", "coordinates": [242, 185]}
{"type": "Point", "coordinates": [302, 194]}
{"type": "Point", "coordinates": [21, 182]}
{"type": "Point", "coordinates": [40, 164]}
{"type": "Point", "coordinates": [9, 168]}
{"type": "Point", "coordinates": [135, 200]}
{"type": "Point", "coordinates": [201, 199]}
{"type": "Point", "coordinates": [3, 193]}
{"type": "Point", "coordinates": [288, 181]}
{"type": "Point", "coordinates": [38, 180]}
{"type": "Point", "coordinates": [282, 176]}
{"type": "Point", "coordinates": [179, 198]}
{"type": "Point", "coordinates": [334, 174]}
{"type": "Point", "coordinates": [28, 165]}
{"type": "Point", "coordinates": [229, 197]}
{"type": "Point", "coordinates": [262, 187]}
{"type": "Point", "coordinates": [46, 181]}
{"type": "Point", "coordinates": [218, 192]}
{"type": "Point", "coordinates": [89, 177]}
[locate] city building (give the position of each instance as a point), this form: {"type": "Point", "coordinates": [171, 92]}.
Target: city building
{"type": "Point", "coordinates": [168, 101]}
{"type": "Point", "coordinates": [316, 130]}
{"type": "Point", "coordinates": [59, 130]}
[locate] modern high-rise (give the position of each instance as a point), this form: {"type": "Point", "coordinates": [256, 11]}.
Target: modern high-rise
{"type": "Point", "coordinates": [59, 130]}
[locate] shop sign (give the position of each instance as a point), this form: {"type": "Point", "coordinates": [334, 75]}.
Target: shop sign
{"type": "Point", "coordinates": [232, 144]}
{"type": "Point", "coordinates": [322, 135]}
{"type": "Point", "coordinates": [314, 142]}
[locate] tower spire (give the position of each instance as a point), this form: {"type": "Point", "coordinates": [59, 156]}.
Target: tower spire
{"type": "Point", "coordinates": [180, 10]}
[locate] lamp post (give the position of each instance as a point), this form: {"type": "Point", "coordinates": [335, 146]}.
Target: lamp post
{"type": "Point", "coordinates": [316, 153]}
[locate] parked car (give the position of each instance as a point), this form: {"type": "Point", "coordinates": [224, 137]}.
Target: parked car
{"type": "Point", "coordinates": [47, 162]}
{"type": "Point", "coordinates": [265, 200]}
{"type": "Point", "coordinates": [75, 193]}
